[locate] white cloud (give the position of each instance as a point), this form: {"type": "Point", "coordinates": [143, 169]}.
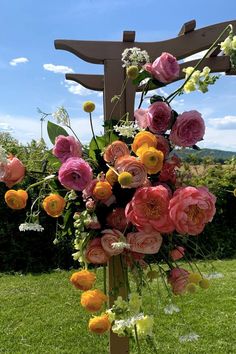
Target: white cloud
{"type": "Point", "coordinates": [216, 139]}
{"type": "Point", "coordinates": [6, 128]}
{"type": "Point", "coordinates": [77, 89]}
{"type": "Point", "coordinates": [17, 61]}
{"type": "Point", "coordinates": [224, 123]}
{"type": "Point", "coordinates": [195, 56]}
{"type": "Point", "coordinates": [58, 69]}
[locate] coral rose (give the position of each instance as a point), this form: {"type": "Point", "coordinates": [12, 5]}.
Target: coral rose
{"type": "Point", "coordinates": [12, 172]}
{"type": "Point", "coordinates": [178, 279]}
{"type": "Point", "coordinates": [134, 167]}
{"type": "Point", "coordinates": [117, 219]}
{"type": "Point", "coordinates": [148, 210]}
{"type": "Point", "coordinates": [159, 117]}
{"type": "Point", "coordinates": [177, 253]}
{"type": "Point", "coordinates": [143, 138]}
{"type": "Point", "coordinates": [75, 174]}
{"type": "Point", "coordinates": [16, 199]}
{"type": "Point", "coordinates": [93, 300]}
{"type": "Point", "coordinates": [115, 150]}
{"type": "Point", "coordinates": [66, 147]}
{"type": "Point", "coordinates": [165, 68]}
{"type": "Point", "coordinates": [109, 237]}
{"type": "Point", "coordinates": [191, 208]}
{"type": "Point", "coordinates": [99, 324]}
{"type": "Point", "coordinates": [95, 253]}
{"type": "Point", "coordinates": [54, 205]}
{"type": "Point", "coordinates": [83, 279]}
{"type": "Point", "coordinates": [102, 190]}
{"type": "Point", "coordinates": [144, 242]}
{"type": "Point", "coordinates": [188, 129]}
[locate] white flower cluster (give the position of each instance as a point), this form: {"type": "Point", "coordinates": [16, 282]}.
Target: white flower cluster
{"type": "Point", "coordinates": [120, 245]}
{"type": "Point", "coordinates": [189, 337]}
{"type": "Point", "coordinates": [214, 275]}
{"type": "Point", "coordinates": [170, 309]}
{"type": "Point", "coordinates": [134, 56]}
{"type": "Point", "coordinates": [61, 115]}
{"type": "Point", "coordinates": [144, 325]}
{"type": "Point", "coordinates": [3, 155]}
{"type": "Point", "coordinates": [28, 226]}
{"type": "Point", "coordinates": [127, 129]}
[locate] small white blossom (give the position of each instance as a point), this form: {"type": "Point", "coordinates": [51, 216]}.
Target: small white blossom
{"type": "Point", "coordinates": [3, 155]}
{"type": "Point", "coordinates": [28, 226]}
{"type": "Point", "coordinates": [120, 245]}
{"type": "Point", "coordinates": [61, 115]}
{"type": "Point", "coordinates": [49, 177]}
{"type": "Point", "coordinates": [170, 309]}
{"type": "Point", "coordinates": [134, 56]}
{"type": "Point", "coordinates": [189, 337]}
{"type": "Point", "coordinates": [214, 275]}
{"type": "Point", "coordinates": [127, 129]}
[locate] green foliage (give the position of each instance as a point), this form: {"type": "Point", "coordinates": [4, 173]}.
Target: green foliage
{"type": "Point", "coordinates": [54, 130]}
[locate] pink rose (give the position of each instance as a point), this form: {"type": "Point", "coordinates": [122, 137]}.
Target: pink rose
{"type": "Point", "coordinates": [191, 208]}
{"type": "Point", "coordinates": [135, 167]}
{"type": "Point", "coordinates": [141, 118]}
{"type": "Point", "coordinates": [144, 242]}
{"type": "Point", "coordinates": [178, 279]}
{"type": "Point", "coordinates": [109, 237]}
{"type": "Point", "coordinates": [177, 253]}
{"type": "Point", "coordinates": [12, 172]}
{"type": "Point", "coordinates": [158, 117]}
{"type": "Point", "coordinates": [66, 147]}
{"type": "Point", "coordinates": [115, 150]}
{"type": "Point", "coordinates": [95, 253]}
{"type": "Point", "coordinates": [75, 174]}
{"type": "Point", "coordinates": [188, 129]}
{"type": "Point", "coordinates": [148, 210]}
{"type": "Point", "coordinates": [116, 219]}
{"type": "Point", "coordinates": [165, 68]}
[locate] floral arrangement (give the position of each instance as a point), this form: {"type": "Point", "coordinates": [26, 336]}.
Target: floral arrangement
{"type": "Point", "coordinates": [121, 195]}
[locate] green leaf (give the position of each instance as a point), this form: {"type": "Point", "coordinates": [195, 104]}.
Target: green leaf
{"type": "Point", "coordinates": [142, 75]}
{"type": "Point", "coordinates": [54, 130]}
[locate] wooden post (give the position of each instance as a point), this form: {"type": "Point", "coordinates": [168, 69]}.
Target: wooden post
{"type": "Point", "coordinates": [188, 42]}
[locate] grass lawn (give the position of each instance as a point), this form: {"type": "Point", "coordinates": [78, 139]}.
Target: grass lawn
{"type": "Point", "coordinates": [42, 314]}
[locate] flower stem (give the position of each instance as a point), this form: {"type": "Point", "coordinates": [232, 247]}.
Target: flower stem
{"type": "Point", "coordinates": [91, 126]}
{"type": "Point", "coordinates": [40, 182]}
{"type": "Point", "coordinates": [176, 92]}
{"type": "Point", "coordinates": [137, 340]}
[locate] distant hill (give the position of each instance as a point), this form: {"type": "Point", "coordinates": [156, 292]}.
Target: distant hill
{"type": "Point", "coordinates": [217, 155]}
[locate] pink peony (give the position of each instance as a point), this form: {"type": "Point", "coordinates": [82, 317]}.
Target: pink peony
{"type": "Point", "coordinates": [158, 117]}
{"type": "Point", "coordinates": [66, 147]}
{"type": "Point", "coordinates": [12, 172]}
{"type": "Point", "coordinates": [135, 167]}
{"type": "Point", "coordinates": [95, 253]}
{"type": "Point", "coordinates": [178, 279]}
{"type": "Point", "coordinates": [144, 242]}
{"type": "Point", "coordinates": [109, 237]}
{"type": "Point", "coordinates": [148, 210]}
{"type": "Point", "coordinates": [165, 68]}
{"type": "Point", "coordinates": [116, 219]}
{"type": "Point", "coordinates": [141, 118]}
{"type": "Point", "coordinates": [191, 208]}
{"type": "Point", "coordinates": [177, 253]}
{"type": "Point", "coordinates": [188, 129]}
{"type": "Point", "coordinates": [75, 174]}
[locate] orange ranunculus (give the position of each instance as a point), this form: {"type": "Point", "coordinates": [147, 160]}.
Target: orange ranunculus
{"type": "Point", "coordinates": [102, 190]}
{"type": "Point", "coordinates": [16, 199]}
{"type": "Point", "coordinates": [54, 205]}
{"type": "Point", "coordinates": [92, 300]}
{"type": "Point", "coordinates": [99, 324]}
{"type": "Point", "coordinates": [151, 158]}
{"type": "Point", "coordinates": [111, 176]}
{"type": "Point", "coordinates": [143, 138]}
{"type": "Point", "coordinates": [83, 279]}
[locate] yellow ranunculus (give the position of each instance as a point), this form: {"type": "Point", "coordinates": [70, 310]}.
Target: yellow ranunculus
{"type": "Point", "coordinates": [143, 138]}
{"type": "Point", "coordinates": [151, 158]}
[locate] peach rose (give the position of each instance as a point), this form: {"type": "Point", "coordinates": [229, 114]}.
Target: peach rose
{"type": "Point", "coordinates": [12, 172]}
{"type": "Point", "coordinates": [191, 208]}
{"type": "Point", "coordinates": [178, 279]}
{"type": "Point", "coordinates": [109, 237]}
{"type": "Point", "coordinates": [95, 253]}
{"type": "Point", "coordinates": [144, 242]}
{"type": "Point", "coordinates": [115, 150]}
{"type": "Point", "coordinates": [132, 165]}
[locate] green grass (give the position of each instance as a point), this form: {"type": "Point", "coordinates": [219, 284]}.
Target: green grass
{"type": "Point", "coordinates": [42, 314]}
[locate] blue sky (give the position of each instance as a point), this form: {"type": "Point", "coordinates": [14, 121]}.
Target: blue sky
{"type": "Point", "coordinates": [28, 29]}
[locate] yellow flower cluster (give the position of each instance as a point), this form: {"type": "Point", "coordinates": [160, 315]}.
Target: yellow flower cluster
{"type": "Point", "coordinates": [195, 279]}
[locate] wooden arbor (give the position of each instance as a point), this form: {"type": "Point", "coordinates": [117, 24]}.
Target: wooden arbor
{"type": "Point", "coordinates": [188, 42]}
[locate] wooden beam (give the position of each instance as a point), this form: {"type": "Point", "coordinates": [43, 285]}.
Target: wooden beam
{"type": "Point", "coordinates": [187, 27]}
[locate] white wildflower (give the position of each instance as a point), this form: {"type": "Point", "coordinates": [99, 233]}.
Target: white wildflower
{"type": "Point", "coordinates": [170, 309]}
{"type": "Point", "coordinates": [120, 245]}
{"type": "Point", "coordinates": [127, 129]}
{"type": "Point", "coordinates": [61, 115]}
{"type": "Point", "coordinates": [189, 337]}
{"type": "Point", "coordinates": [134, 56]}
{"type": "Point", "coordinates": [214, 275]}
{"type": "Point", "coordinates": [28, 226]}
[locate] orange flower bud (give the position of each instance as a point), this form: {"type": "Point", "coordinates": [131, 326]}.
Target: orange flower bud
{"type": "Point", "coordinates": [54, 205]}
{"type": "Point", "coordinates": [93, 300]}
{"type": "Point", "coordinates": [99, 324]}
{"type": "Point", "coordinates": [102, 190]}
{"type": "Point", "coordinates": [83, 279]}
{"type": "Point", "coordinates": [16, 199]}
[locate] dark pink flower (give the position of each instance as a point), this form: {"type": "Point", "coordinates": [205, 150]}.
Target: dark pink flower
{"type": "Point", "coordinates": [75, 174]}
{"type": "Point", "coordinates": [165, 68]}
{"type": "Point", "coordinates": [117, 219]}
{"type": "Point", "coordinates": [158, 117]}
{"type": "Point", "coordinates": [188, 129]}
{"type": "Point", "coordinates": [66, 147]}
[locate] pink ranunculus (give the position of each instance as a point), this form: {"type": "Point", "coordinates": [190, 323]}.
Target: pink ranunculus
{"type": "Point", "coordinates": [95, 253]}
{"type": "Point", "coordinates": [168, 172]}
{"type": "Point", "coordinates": [135, 167]}
{"type": "Point", "coordinates": [66, 147]}
{"type": "Point", "coordinates": [158, 117]}
{"type": "Point", "coordinates": [177, 253]}
{"type": "Point", "coordinates": [140, 116]}
{"type": "Point", "coordinates": [109, 237]}
{"type": "Point", "coordinates": [144, 242]}
{"type": "Point", "coordinates": [117, 219]}
{"type": "Point", "coordinates": [191, 208]}
{"type": "Point", "coordinates": [88, 190]}
{"type": "Point", "coordinates": [188, 129]}
{"type": "Point", "coordinates": [75, 174]}
{"type": "Point", "coordinates": [165, 68]}
{"type": "Point", "coordinates": [115, 150]}
{"type": "Point", "coordinates": [148, 210]}
{"type": "Point", "coordinates": [12, 172]}
{"type": "Point", "coordinates": [178, 279]}
{"type": "Point", "coordinates": [163, 145]}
